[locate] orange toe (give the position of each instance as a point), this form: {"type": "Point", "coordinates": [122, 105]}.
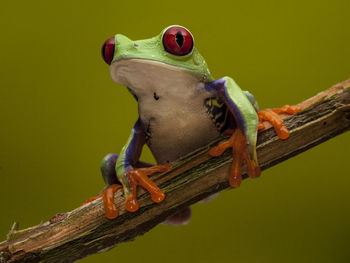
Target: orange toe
{"type": "Point", "coordinates": [261, 126]}
{"type": "Point", "coordinates": [238, 143]}
{"type": "Point", "coordinates": [276, 121]}
{"type": "Point", "coordinates": [107, 194]}
{"type": "Point", "coordinates": [139, 176]}
{"type": "Point", "coordinates": [288, 109]}
{"type": "Point", "coordinates": [91, 199]}
{"type": "Point", "coordinates": [272, 116]}
{"type": "Point", "coordinates": [132, 205]}
{"type": "Point", "coordinates": [108, 201]}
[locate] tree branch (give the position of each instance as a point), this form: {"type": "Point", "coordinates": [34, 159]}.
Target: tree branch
{"type": "Point", "coordinates": [73, 235]}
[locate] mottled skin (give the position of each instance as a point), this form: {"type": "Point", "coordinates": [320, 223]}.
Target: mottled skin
{"type": "Point", "coordinates": [181, 108]}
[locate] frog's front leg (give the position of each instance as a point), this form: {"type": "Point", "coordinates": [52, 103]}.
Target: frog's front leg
{"type": "Point", "coordinates": [127, 172]}
{"type": "Point", "coordinates": [108, 170]}
{"type": "Point", "coordinates": [243, 139]}
{"type": "Point", "coordinates": [130, 176]}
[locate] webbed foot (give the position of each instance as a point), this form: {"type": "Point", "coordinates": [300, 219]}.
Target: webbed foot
{"type": "Point", "coordinates": [272, 115]}
{"type": "Point", "coordinates": [136, 176]}
{"type": "Point", "coordinates": [139, 176]}
{"type": "Point", "coordinates": [238, 143]}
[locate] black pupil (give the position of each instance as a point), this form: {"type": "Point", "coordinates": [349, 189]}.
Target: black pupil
{"type": "Point", "coordinates": [103, 50]}
{"type": "Point", "coordinates": [179, 38]}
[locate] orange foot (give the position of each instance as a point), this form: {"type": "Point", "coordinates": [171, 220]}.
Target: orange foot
{"type": "Point", "coordinates": [137, 176]}
{"type": "Point", "coordinates": [111, 210]}
{"type": "Point", "coordinates": [238, 143]}
{"type": "Point", "coordinates": [276, 120]}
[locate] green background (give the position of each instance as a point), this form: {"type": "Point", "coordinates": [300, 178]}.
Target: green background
{"type": "Point", "coordinates": [61, 113]}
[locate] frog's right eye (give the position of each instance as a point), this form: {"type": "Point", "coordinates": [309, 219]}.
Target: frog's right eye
{"type": "Point", "coordinates": [108, 50]}
{"type": "Point", "coordinates": [178, 41]}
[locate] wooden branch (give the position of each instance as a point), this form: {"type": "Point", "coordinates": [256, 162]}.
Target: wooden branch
{"type": "Point", "coordinates": [73, 235]}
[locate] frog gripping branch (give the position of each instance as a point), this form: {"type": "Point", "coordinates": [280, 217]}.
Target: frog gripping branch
{"type": "Point", "coordinates": [181, 108]}
{"type": "Point", "coordinates": [84, 231]}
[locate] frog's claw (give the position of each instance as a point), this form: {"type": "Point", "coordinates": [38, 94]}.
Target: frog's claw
{"type": "Point", "coordinates": [272, 115]}
{"type": "Point", "coordinates": [238, 143]}
{"type": "Point", "coordinates": [139, 176]}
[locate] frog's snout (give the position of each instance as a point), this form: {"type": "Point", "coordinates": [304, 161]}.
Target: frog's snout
{"type": "Point", "coordinates": [110, 47]}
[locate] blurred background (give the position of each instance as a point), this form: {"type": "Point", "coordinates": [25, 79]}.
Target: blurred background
{"type": "Point", "coordinates": [61, 113]}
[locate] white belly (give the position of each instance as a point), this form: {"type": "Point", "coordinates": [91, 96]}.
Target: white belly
{"type": "Point", "coordinates": [175, 132]}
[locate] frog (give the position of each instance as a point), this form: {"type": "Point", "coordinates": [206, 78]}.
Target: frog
{"type": "Point", "coordinates": [181, 107]}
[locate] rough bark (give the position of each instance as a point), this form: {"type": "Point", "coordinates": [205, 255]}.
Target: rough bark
{"type": "Point", "coordinates": [76, 234]}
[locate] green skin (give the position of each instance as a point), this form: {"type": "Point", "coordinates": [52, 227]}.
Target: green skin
{"type": "Point", "coordinates": [194, 67]}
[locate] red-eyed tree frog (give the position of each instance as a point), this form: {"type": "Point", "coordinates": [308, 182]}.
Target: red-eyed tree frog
{"type": "Point", "coordinates": [181, 108]}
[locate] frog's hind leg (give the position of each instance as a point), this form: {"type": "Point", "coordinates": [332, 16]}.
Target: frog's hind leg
{"type": "Point", "coordinates": [113, 184]}
{"type": "Point", "coordinates": [182, 217]}
{"type": "Point", "coordinates": [273, 116]}
{"type": "Point", "coordinates": [110, 177]}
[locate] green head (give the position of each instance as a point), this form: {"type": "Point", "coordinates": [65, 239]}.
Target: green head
{"type": "Point", "coordinates": [174, 46]}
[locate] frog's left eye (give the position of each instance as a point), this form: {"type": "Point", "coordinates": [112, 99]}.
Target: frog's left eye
{"type": "Point", "coordinates": [108, 50]}
{"type": "Point", "coordinates": [178, 41]}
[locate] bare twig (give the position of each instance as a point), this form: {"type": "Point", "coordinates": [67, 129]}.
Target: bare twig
{"type": "Point", "coordinates": [14, 230]}
{"type": "Point", "coordinates": [85, 230]}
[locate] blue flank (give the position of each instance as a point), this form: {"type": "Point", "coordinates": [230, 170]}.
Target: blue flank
{"type": "Point", "coordinates": [240, 106]}
{"type": "Point", "coordinates": [130, 154]}
{"type": "Point", "coordinates": [218, 87]}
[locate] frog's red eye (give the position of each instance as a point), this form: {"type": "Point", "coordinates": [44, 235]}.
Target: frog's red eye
{"type": "Point", "coordinates": [108, 50]}
{"type": "Point", "coordinates": [178, 41]}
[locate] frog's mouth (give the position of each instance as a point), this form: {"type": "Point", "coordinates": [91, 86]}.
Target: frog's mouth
{"type": "Point", "coordinates": [141, 74]}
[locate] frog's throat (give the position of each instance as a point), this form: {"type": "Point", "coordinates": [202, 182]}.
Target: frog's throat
{"type": "Point", "coordinates": [147, 78]}
{"type": "Point", "coordinates": [123, 70]}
